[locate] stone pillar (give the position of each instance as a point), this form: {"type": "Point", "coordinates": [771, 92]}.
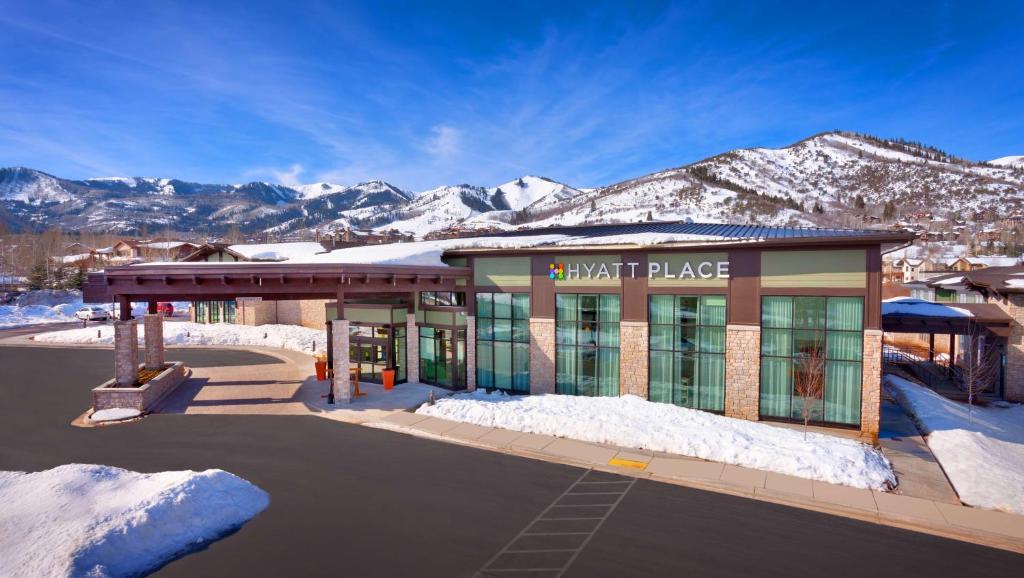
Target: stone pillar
{"type": "Point", "coordinates": [871, 385]}
{"type": "Point", "coordinates": [1014, 386]}
{"type": "Point", "coordinates": [743, 371]}
{"type": "Point", "coordinates": [153, 334]}
{"type": "Point", "coordinates": [412, 349]}
{"type": "Point", "coordinates": [126, 352]}
{"type": "Point", "coordinates": [542, 355]}
{"type": "Point", "coordinates": [633, 358]}
{"type": "Point", "coordinates": [339, 344]}
{"type": "Point", "coordinates": [470, 353]}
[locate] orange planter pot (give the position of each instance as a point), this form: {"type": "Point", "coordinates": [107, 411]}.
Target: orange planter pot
{"type": "Point", "coordinates": [321, 370]}
{"type": "Point", "coordinates": [389, 378]}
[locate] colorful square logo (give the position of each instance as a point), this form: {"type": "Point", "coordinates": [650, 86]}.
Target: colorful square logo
{"type": "Point", "coordinates": [556, 271]}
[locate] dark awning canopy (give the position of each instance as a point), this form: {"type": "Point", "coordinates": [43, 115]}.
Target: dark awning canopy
{"type": "Point", "coordinates": [986, 316]}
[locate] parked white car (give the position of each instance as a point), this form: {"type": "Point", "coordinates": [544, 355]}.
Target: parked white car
{"type": "Point", "coordinates": [93, 313]}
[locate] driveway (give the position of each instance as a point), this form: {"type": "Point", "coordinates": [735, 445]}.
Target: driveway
{"type": "Point", "coordinates": [350, 500]}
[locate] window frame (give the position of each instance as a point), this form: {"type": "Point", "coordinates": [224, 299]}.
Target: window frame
{"type": "Point", "coordinates": [428, 300]}
{"type": "Point", "coordinates": [694, 354]}
{"type": "Point", "coordinates": [597, 334]}
{"type": "Point", "coordinates": [515, 318]}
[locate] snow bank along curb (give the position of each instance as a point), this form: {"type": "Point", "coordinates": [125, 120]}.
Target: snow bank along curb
{"type": "Point", "coordinates": [293, 337]}
{"type": "Point", "coordinates": [983, 455]}
{"type": "Point", "coordinates": [91, 520]}
{"type": "Point", "coordinates": [630, 421]}
{"type": "Point", "coordinates": [114, 414]}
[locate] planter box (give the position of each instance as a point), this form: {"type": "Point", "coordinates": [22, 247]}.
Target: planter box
{"type": "Point", "coordinates": [142, 398]}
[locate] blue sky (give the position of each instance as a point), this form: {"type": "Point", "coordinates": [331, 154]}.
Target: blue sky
{"type": "Point", "coordinates": [428, 93]}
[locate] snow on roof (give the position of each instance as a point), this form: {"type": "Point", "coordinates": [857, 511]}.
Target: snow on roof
{"type": "Point", "coordinates": [164, 244]}
{"type": "Point", "coordinates": [68, 259]}
{"type": "Point", "coordinates": [277, 251]}
{"type": "Point", "coordinates": [951, 281]}
{"type": "Point", "coordinates": [1015, 283]}
{"type": "Point", "coordinates": [428, 253]}
{"type": "Point", "coordinates": [921, 308]}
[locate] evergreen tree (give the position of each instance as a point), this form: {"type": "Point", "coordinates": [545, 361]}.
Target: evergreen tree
{"type": "Point", "coordinates": [76, 279]}
{"type": "Point", "coordinates": [37, 278]}
{"type": "Point", "coordinates": [650, 217]}
{"type": "Point", "coordinates": [818, 208]}
{"type": "Point", "coordinates": [858, 202]}
{"type": "Point", "coordinates": [889, 211]}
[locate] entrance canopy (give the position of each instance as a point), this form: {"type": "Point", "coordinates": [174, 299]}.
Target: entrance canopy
{"type": "Point", "coordinates": [907, 315]}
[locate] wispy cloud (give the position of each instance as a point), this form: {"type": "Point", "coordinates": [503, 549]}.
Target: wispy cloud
{"type": "Point", "coordinates": [445, 142]}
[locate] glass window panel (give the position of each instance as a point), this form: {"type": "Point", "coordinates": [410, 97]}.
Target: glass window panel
{"type": "Point", "coordinates": [660, 388]}
{"type": "Point", "coordinates": [587, 334]}
{"type": "Point", "coordinates": [485, 328]}
{"type": "Point", "coordinates": [712, 339]}
{"type": "Point", "coordinates": [777, 342]}
{"type": "Point", "coordinates": [777, 312]}
{"type": "Point", "coordinates": [845, 345]}
{"type": "Point", "coordinates": [610, 308]}
{"type": "Point", "coordinates": [443, 298]}
{"type": "Point", "coordinates": [566, 306]}
{"type": "Point", "coordinates": [586, 371]}
{"type": "Point", "coordinates": [808, 343]}
{"type": "Point", "coordinates": [776, 386]}
{"type": "Point", "coordinates": [565, 370]}
{"type": "Point", "coordinates": [427, 298]}
{"type": "Point", "coordinates": [684, 389]}
{"type": "Point", "coordinates": [503, 305]}
{"type": "Point", "coordinates": [521, 330]}
{"type": "Point", "coordinates": [502, 365]}
{"type": "Point", "coordinates": [521, 367]}
{"type": "Point", "coordinates": [521, 305]}
{"type": "Point", "coordinates": [459, 299]}
{"type": "Point", "coordinates": [503, 330]}
{"type": "Point", "coordinates": [609, 335]}
{"type": "Point", "coordinates": [846, 313]}
{"type": "Point", "coordinates": [588, 307]}
{"type": "Point", "coordinates": [484, 364]}
{"type": "Point", "coordinates": [842, 392]}
{"type": "Point", "coordinates": [565, 333]}
{"type": "Point", "coordinates": [608, 371]}
{"type": "Point", "coordinates": [484, 305]}
{"type": "Point", "coordinates": [686, 338]}
{"type": "Point", "coordinates": [809, 312]}
{"type": "Point", "coordinates": [712, 310]}
{"type": "Point", "coordinates": [686, 310]}
{"type": "Point", "coordinates": [711, 382]}
{"type": "Point", "coordinates": [661, 309]}
{"type": "Point", "coordinates": [662, 336]}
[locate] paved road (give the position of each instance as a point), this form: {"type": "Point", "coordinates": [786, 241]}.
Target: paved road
{"type": "Point", "coordinates": [354, 501]}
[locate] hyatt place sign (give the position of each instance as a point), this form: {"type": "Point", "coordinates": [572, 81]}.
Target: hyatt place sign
{"type": "Point", "coordinates": [655, 270]}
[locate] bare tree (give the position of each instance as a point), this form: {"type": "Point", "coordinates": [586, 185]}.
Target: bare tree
{"type": "Point", "coordinates": [809, 378]}
{"type": "Point", "coordinates": [979, 367]}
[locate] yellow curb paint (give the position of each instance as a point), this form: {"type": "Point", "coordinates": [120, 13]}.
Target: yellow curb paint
{"type": "Point", "coordinates": [627, 463]}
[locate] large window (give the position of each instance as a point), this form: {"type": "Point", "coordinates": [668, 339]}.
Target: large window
{"type": "Point", "coordinates": [796, 331]}
{"type": "Point", "coordinates": [587, 344]}
{"type": "Point", "coordinates": [443, 356]}
{"type": "Point", "coordinates": [503, 341]}
{"type": "Point", "coordinates": [687, 350]}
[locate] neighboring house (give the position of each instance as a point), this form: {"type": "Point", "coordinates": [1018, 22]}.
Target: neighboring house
{"type": "Point", "coordinates": [164, 250]}
{"type": "Point", "coordinates": [976, 263]}
{"type": "Point", "coordinates": [79, 261]}
{"type": "Point", "coordinates": [906, 270]}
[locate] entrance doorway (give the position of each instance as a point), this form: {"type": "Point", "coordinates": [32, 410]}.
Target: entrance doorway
{"type": "Point", "coordinates": [443, 357]}
{"type": "Point", "coordinates": [374, 348]}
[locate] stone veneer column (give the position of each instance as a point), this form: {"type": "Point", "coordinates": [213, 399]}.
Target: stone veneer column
{"type": "Point", "coordinates": [743, 371]}
{"type": "Point", "coordinates": [871, 385]}
{"type": "Point", "coordinates": [412, 349]}
{"type": "Point", "coordinates": [542, 355]}
{"type": "Point", "coordinates": [470, 353]}
{"type": "Point", "coordinates": [339, 345]}
{"type": "Point", "coordinates": [126, 352]}
{"type": "Point", "coordinates": [633, 358]}
{"type": "Point", "coordinates": [1014, 379]}
{"type": "Point", "coordinates": [153, 325]}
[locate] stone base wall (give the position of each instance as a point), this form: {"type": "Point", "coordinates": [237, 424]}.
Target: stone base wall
{"type": "Point", "coordinates": [154, 340]}
{"type": "Point", "coordinates": [305, 312]}
{"type": "Point", "coordinates": [126, 352]}
{"type": "Point", "coordinates": [743, 371]}
{"type": "Point", "coordinates": [343, 389]}
{"type": "Point", "coordinates": [542, 355]}
{"type": "Point", "coordinates": [256, 312]}
{"type": "Point", "coordinates": [871, 385]}
{"type": "Point", "coordinates": [633, 358]}
{"type": "Point", "coordinates": [470, 353]}
{"type": "Point", "coordinates": [1014, 387]}
{"type": "Point", "coordinates": [109, 396]}
{"type": "Point", "coordinates": [412, 348]}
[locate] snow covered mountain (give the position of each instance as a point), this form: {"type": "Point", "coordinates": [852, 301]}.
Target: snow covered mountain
{"type": "Point", "coordinates": [830, 179]}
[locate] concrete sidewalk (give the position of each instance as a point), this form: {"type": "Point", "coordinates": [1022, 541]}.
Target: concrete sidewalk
{"type": "Point", "coordinates": [938, 517]}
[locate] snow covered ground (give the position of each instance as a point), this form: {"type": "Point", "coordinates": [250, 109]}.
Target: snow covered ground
{"type": "Point", "coordinates": [98, 521]}
{"type": "Point", "coordinates": [187, 333]}
{"type": "Point", "coordinates": [630, 421]}
{"type": "Point", "coordinates": [983, 456]}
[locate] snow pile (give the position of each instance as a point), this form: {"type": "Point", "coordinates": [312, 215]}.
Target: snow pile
{"type": "Point", "coordinates": [115, 414]}
{"type": "Point", "coordinates": [291, 337]}
{"type": "Point", "coordinates": [90, 520]}
{"type": "Point", "coordinates": [630, 421]}
{"type": "Point", "coordinates": [921, 308]}
{"type": "Point", "coordinates": [14, 316]}
{"type": "Point", "coordinates": [277, 251]}
{"type": "Point", "coordinates": [49, 297]}
{"type": "Point", "coordinates": [983, 456]}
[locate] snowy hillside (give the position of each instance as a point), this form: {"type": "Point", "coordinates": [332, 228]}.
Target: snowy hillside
{"type": "Point", "coordinates": [444, 207]}
{"type": "Point", "coordinates": [531, 191]}
{"type": "Point", "coordinates": [1011, 161]}
{"type": "Point", "coordinates": [314, 190]}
